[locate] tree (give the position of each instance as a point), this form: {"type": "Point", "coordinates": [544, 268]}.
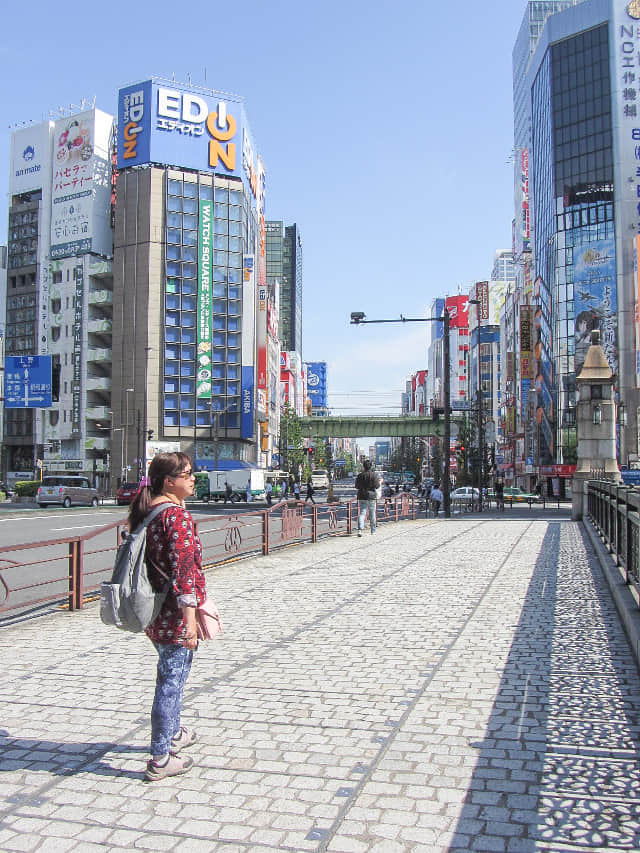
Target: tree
{"type": "Point", "coordinates": [291, 440]}
{"type": "Point", "coordinates": [328, 455]}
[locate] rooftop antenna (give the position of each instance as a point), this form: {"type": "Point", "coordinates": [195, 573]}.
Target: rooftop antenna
{"type": "Point", "coordinates": [189, 77]}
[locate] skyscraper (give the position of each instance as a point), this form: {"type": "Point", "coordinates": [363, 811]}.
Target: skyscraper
{"type": "Point", "coordinates": [580, 82]}
{"type": "Point", "coordinates": [284, 264]}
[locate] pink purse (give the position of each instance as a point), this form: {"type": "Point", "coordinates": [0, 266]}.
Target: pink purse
{"type": "Point", "coordinates": [208, 622]}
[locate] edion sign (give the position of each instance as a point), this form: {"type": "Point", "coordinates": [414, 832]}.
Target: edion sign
{"type": "Point", "coordinates": [189, 127]}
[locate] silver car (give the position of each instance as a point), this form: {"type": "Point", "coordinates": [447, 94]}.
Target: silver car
{"type": "Point", "coordinates": [465, 494]}
{"type": "Point", "coordinates": [67, 490]}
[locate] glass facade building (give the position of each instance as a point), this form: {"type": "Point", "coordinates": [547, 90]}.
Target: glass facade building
{"type": "Point", "coordinates": [284, 264]}
{"type": "Point", "coordinates": [233, 231]}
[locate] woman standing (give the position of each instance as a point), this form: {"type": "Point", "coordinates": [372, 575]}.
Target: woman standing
{"type": "Point", "coordinates": [174, 553]}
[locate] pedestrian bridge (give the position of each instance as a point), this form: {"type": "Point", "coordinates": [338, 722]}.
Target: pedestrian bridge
{"type": "Point", "coordinates": [361, 427]}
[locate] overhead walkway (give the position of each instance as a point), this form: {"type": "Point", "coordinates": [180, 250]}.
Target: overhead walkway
{"type": "Point", "coordinates": [358, 427]}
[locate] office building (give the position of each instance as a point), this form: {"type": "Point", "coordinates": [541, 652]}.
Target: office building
{"type": "Point", "coordinates": [581, 82]}
{"type": "Point", "coordinates": [194, 364]}
{"type": "Point", "coordinates": [284, 265]}
{"type": "Point", "coordinates": [59, 298]}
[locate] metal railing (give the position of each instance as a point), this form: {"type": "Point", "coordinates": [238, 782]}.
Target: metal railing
{"type": "Point", "coordinates": [67, 571]}
{"type": "Point", "coordinates": [615, 513]}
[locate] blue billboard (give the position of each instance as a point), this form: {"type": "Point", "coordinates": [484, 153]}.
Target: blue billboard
{"type": "Point", "coordinates": [27, 382]}
{"type": "Point", "coordinates": [246, 421]}
{"type": "Point", "coordinates": [317, 383]}
{"type": "Point", "coordinates": [172, 124]}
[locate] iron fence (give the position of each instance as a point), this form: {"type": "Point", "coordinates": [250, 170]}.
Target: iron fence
{"type": "Point", "coordinates": [69, 570]}
{"type": "Point", "coordinates": [615, 513]}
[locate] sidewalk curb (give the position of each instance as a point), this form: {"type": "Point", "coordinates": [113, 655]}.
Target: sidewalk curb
{"type": "Point", "coordinates": [625, 602]}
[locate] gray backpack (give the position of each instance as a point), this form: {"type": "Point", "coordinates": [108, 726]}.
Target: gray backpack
{"type": "Point", "coordinates": [129, 601]}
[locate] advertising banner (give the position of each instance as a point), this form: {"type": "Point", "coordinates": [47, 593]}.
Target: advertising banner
{"type": "Point", "coordinates": [317, 383]}
{"type": "Point", "coordinates": [246, 423]}
{"type": "Point", "coordinates": [81, 192]}
{"type": "Point", "coordinates": [497, 291]}
{"type": "Point", "coordinates": [76, 384]}
{"type": "Point", "coordinates": [482, 295]}
{"type": "Point", "coordinates": [27, 382]}
{"type": "Point", "coordinates": [30, 158]}
{"type": "Point", "coordinates": [595, 300]}
{"type": "Point", "coordinates": [205, 252]}
{"type": "Point", "coordinates": [161, 121]}
{"type": "Point", "coordinates": [458, 308]}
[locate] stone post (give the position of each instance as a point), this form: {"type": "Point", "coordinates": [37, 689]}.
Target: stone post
{"type": "Point", "coordinates": [596, 426]}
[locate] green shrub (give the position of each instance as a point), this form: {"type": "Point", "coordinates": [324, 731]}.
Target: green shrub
{"type": "Point", "coordinates": [26, 488]}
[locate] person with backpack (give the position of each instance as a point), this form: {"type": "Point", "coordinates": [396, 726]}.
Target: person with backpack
{"type": "Point", "coordinates": [174, 557]}
{"type": "Point", "coordinates": [367, 484]}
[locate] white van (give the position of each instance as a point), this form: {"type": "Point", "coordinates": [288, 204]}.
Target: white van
{"type": "Point", "coordinates": [320, 478]}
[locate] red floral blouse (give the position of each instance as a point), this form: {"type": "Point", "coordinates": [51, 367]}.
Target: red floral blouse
{"type": "Point", "coordinates": [174, 546]}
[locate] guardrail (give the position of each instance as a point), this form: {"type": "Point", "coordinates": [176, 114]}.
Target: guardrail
{"type": "Point", "coordinates": [70, 569]}
{"type": "Point", "coordinates": [615, 513]}
{"type": "Point", "coordinates": [492, 503]}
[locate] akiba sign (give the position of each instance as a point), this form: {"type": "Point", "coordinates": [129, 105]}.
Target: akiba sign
{"type": "Point", "coordinates": [189, 127]}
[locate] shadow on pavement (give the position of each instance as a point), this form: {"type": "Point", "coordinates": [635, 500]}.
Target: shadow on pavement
{"type": "Point", "coordinates": [65, 759]}
{"type": "Point", "coordinates": [559, 763]}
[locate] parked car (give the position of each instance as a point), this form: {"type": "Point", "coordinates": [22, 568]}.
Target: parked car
{"type": "Point", "coordinates": [66, 490]}
{"type": "Point", "coordinates": [465, 494]}
{"type": "Point", "coordinates": [126, 493]}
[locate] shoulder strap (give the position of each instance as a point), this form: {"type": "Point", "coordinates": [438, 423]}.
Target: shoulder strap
{"type": "Point", "coordinates": [147, 521]}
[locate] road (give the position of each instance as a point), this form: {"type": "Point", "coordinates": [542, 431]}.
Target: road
{"type": "Point", "coordinates": [48, 567]}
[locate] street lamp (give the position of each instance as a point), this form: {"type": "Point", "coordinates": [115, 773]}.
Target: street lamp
{"type": "Point", "coordinates": [125, 433]}
{"type": "Point", "coordinates": [358, 318]}
{"type": "Point", "coordinates": [477, 303]}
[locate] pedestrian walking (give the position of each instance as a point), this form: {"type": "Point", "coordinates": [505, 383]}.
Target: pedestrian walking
{"type": "Point", "coordinates": [499, 490]}
{"type": "Point", "coordinates": [269, 492]}
{"type": "Point", "coordinates": [228, 492]}
{"type": "Point", "coordinates": [173, 552]}
{"type": "Point", "coordinates": [248, 491]}
{"type": "Point", "coordinates": [310, 491]}
{"type": "Point", "coordinates": [296, 490]}
{"type": "Point", "coordinates": [436, 499]}
{"type": "Point", "coordinates": [367, 483]}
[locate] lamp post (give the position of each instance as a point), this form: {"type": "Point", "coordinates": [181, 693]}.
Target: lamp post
{"type": "Point", "coordinates": [358, 318]}
{"type": "Point", "coordinates": [125, 433]}
{"type": "Point", "coordinates": [477, 303]}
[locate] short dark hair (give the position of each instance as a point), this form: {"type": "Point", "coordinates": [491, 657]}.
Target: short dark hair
{"type": "Point", "coordinates": [366, 464]}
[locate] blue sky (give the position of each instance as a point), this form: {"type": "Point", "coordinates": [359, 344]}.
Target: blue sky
{"type": "Point", "coordinates": [385, 128]}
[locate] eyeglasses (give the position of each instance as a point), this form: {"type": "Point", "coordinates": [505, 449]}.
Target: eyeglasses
{"type": "Point", "coordinates": [185, 475]}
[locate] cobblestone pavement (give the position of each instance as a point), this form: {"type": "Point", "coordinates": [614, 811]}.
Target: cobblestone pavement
{"type": "Point", "coordinates": [443, 686]}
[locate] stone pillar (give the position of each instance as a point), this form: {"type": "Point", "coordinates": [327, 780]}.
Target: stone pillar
{"type": "Point", "coordinates": [596, 426]}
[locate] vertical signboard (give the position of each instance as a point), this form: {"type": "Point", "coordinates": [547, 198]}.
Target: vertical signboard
{"type": "Point", "coordinates": [458, 308]}
{"type": "Point", "coordinates": [636, 313]}
{"type": "Point", "coordinates": [525, 358]}
{"type": "Point", "coordinates": [246, 423]}
{"type": "Point", "coordinates": [482, 295]}
{"type": "Point", "coordinates": [317, 383]}
{"type": "Point", "coordinates": [205, 246]}
{"type": "Point", "coordinates": [76, 385]}
{"type": "Point", "coordinates": [595, 302]}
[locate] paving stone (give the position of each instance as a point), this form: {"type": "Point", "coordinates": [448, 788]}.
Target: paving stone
{"type": "Point", "coordinates": [468, 687]}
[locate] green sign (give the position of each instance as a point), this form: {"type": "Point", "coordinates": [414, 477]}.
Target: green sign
{"type": "Point", "coordinates": [205, 264]}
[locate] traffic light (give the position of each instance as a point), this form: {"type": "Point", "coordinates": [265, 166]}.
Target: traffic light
{"type": "Point", "coordinates": [149, 434]}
